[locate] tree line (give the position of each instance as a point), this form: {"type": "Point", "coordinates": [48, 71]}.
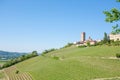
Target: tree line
{"type": "Point", "coordinates": [19, 59]}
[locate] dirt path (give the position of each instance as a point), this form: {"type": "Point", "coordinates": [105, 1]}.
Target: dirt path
{"type": "Point", "coordinates": [112, 78]}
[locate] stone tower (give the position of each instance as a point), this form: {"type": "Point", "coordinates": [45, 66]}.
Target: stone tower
{"type": "Point", "coordinates": [83, 36]}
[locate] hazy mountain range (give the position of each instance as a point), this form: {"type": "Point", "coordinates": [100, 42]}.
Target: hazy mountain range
{"type": "Point", "coordinates": [4, 55]}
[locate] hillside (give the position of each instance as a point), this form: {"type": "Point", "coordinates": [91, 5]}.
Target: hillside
{"type": "Point", "coordinates": [73, 64]}
{"type": "Point", "coordinates": [4, 55]}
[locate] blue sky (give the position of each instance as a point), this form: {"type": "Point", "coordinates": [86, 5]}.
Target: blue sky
{"type": "Point", "coordinates": [27, 25]}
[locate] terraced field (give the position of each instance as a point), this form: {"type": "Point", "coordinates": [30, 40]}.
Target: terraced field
{"type": "Point", "coordinates": [12, 75]}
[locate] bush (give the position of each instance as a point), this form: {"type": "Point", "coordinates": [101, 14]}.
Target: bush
{"type": "Point", "coordinates": [118, 55]}
{"type": "Point", "coordinates": [82, 46]}
{"type": "Point", "coordinates": [48, 51]}
{"type": "Point", "coordinates": [88, 44]}
{"type": "Point", "coordinates": [17, 72]}
{"type": "Point", "coordinates": [68, 45]}
{"type": "Point", "coordinates": [56, 57]}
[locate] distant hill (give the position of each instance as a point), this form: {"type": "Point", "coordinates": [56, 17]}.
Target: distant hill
{"type": "Point", "coordinates": [4, 55]}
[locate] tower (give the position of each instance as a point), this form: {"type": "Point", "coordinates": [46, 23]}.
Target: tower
{"type": "Point", "coordinates": [83, 36]}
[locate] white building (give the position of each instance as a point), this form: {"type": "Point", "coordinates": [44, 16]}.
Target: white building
{"type": "Point", "coordinates": [114, 37]}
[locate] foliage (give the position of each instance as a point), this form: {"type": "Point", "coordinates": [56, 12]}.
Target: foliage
{"type": "Point", "coordinates": [109, 43]}
{"type": "Point", "coordinates": [118, 55]}
{"type": "Point", "coordinates": [106, 38]}
{"type": "Point", "coordinates": [17, 71]}
{"type": "Point", "coordinates": [118, 0]}
{"type": "Point", "coordinates": [113, 16]}
{"type": "Point", "coordinates": [115, 43]}
{"type": "Point", "coordinates": [48, 51]}
{"type": "Point", "coordinates": [115, 29]}
{"type": "Point", "coordinates": [100, 43]}
{"type": "Point", "coordinates": [82, 46]}
{"type": "Point", "coordinates": [88, 44]}
{"type": "Point", "coordinates": [34, 54]}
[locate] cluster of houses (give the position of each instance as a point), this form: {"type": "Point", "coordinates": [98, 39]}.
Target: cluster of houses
{"type": "Point", "coordinates": [83, 40]}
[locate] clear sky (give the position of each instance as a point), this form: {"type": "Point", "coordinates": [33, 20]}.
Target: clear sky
{"type": "Point", "coordinates": [27, 25]}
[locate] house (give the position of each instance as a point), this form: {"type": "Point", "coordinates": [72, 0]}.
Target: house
{"type": "Point", "coordinates": [114, 37]}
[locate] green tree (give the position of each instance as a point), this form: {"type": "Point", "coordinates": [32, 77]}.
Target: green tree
{"type": "Point", "coordinates": [48, 51]}
{"type": "Point", "coordinates": [88, 43]}
{"type": "Point", "coordinates": [113, 16]}
{"type": "Point", "coordinates": [34, 53]}
{"type": "Point", "coordinates": [115, 30]}
{"type": "Point", "coordinates": [105, 39]}
{"type": "Point", "coordinates": [118, 0]}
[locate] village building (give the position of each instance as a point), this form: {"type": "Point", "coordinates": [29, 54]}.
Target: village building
{"type": "Point", "coordinates": [115, 37]}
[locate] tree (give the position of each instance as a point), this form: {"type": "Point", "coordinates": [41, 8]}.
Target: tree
{"type": "Point", "coordinates": [48, 51]}
{"type": "Point", "coordinates": [34, 53]}
{"type": "Point", "coordinates": [88, 43]}
{"type": "Point", "coordinates": [105, 39]}
{"type": "Point", "coordinates": [115, 30]}
{"type": "Point", "coordinates": [118, 0]}
{"type": "Point", "coordinates": [113, 16]}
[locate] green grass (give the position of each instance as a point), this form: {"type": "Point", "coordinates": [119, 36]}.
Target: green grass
{"type": "Point", "coordinates": [74, 64]}
{"type": "Point", "coordinates": [2, 62]}
{"type": "Point", "coordinates": [2, 75]}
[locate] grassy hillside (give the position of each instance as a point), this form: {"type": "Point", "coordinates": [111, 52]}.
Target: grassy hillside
{"type": "Point", "coordinates": [74, 64]}
{"type": "Point", "coordinates": [3, 62]}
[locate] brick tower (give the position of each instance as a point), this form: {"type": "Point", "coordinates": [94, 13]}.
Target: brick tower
{"type": "Point", "coordinates": [83, 36]}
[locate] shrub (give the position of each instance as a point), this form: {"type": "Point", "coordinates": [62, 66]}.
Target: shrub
{"type": "Point", "coordinates": [56, 57]}
{"type": "Point", "coordinates": [68, 45]}
{"type": "Point", "coordinates": [48, 51]}
{"type": "Point", "coordinates": [17, 72]}
{"type": "Point", "coordinates": [118, 55]}
{"type": "Point", "coordinates": [83, 46]}
{"type": "Point", "coordinates": [88, 44]}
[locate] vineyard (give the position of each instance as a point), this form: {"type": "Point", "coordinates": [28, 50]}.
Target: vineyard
{"type": "Point", "coordinates": [12, 73]}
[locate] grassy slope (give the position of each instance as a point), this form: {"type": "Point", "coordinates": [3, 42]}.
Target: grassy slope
{"type": "Point", "coordinates": [77, 64]}
{"type": "Point", "coordinates": [2, 62]}
{"type": "Point", "coordinates": [1, 72]}
{"type": "Point", "coordinates": [1, 75]}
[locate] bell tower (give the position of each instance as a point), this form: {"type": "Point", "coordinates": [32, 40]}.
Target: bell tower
{"type": "Point", "coordinates": [83, 36]}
